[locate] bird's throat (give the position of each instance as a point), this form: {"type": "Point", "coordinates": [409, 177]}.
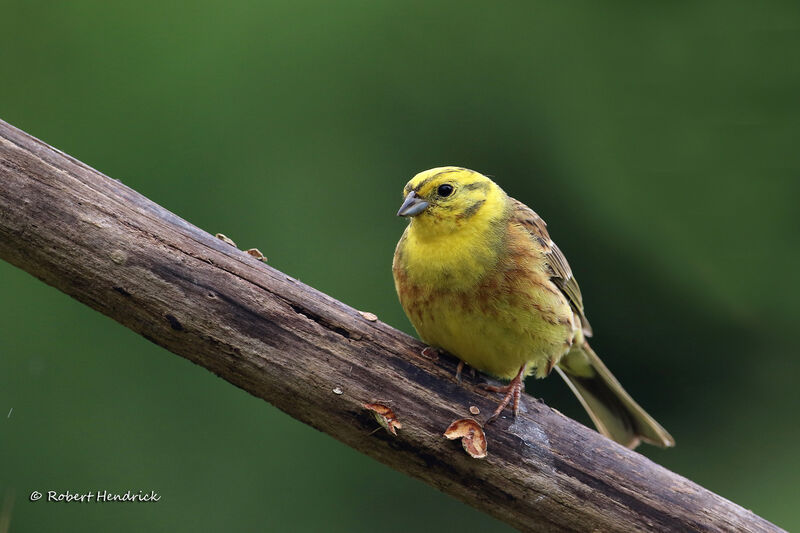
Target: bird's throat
{"type": "Point", "coordinates": [456, 259]}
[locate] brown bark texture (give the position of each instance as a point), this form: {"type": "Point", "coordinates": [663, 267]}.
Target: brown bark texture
{"type": "Point", "coordinates": [321, 361]}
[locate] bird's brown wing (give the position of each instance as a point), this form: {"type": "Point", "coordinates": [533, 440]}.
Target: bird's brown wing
{"type": "Point", "coordinates": [561, 273]}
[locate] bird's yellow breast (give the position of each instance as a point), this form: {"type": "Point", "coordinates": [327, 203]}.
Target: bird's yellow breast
{"type": "Point", "coordinates": [483, 294]}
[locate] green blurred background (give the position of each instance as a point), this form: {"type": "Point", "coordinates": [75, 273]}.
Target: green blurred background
{"type": "Point", "coordinates": [659, 141]}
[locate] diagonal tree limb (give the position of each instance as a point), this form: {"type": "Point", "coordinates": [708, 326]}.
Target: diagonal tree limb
{"type": "Point", "coordinates": [320, 360]}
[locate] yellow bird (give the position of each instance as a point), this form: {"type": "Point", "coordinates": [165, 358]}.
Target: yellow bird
{"type": "Point", "coordinates": [479, 277]}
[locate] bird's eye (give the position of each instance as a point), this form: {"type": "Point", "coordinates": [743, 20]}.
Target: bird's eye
{"type": "Point", "coordinates": [445, 190]}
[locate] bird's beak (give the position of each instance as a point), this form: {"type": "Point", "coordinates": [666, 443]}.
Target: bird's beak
{"type": "Point", "coordinates": [412, 206]}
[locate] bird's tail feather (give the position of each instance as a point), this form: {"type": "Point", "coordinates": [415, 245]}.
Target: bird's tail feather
{"type": "Point", "coordinates": [613, 411]}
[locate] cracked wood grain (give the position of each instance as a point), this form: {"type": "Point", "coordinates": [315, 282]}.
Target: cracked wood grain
{"type": "Point", "coordinates": [320, 361]}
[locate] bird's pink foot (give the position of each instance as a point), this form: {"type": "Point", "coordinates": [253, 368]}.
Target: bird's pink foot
{"type": "Point", "coordinates": [512, 393]}
{"type": "Point", "coordinates": [459, 368]}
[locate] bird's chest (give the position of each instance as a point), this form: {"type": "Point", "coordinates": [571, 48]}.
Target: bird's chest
{"type": "Point", "coordinates": [495, 323]}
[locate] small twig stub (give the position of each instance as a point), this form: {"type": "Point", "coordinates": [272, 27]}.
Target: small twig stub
{"type": "Point", "coordinates": [225, 239]}
{"type": "Point", "coordinates": [255, 252]}
{"type": "Point", "coordinates": [473, 439]}
{"type": "Point", "coordinates": [385, 417]}
{"type": "Point", "coordinates": [368, 316]}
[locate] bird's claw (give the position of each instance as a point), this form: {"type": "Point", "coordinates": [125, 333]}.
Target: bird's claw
{"type": "Point", "coordinates": [512, 392]}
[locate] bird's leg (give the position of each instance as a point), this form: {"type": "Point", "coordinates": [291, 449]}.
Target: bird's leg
{"type": "Point", "coordinates": [512, 391]}
{"type": "Point", "coordinates": [459, 368]}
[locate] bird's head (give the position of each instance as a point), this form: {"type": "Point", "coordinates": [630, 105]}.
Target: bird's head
{"type": "Point", "coordinates": [445, 199]}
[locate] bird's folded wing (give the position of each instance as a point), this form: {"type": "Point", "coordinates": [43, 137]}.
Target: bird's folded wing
{"type": "Point", "coordinates": [561, 273]}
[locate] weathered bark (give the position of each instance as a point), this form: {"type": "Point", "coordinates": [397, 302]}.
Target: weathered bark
{"type": "Point", "coordinates": [320, 360]}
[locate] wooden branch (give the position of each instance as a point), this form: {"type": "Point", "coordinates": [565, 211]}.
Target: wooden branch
{"type": "Point", "coordinates": [320, 360]}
